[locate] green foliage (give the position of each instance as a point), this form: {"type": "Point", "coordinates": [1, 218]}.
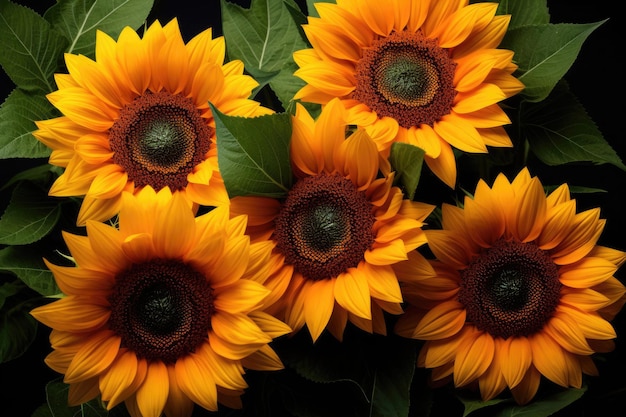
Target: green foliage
{"type": "Point", "coordinates": [31, 50]}
{"type": "Point", "coordinates": [407, 161]}
{"type": "Point", "coordinates": [559, 131]}
{"type": "Point", "coordinates": [376, 371]}
{"type": "Point", "coordinates": [264, 37]}
{"type": "Point", "coordinates": [17, 327]}
{"type": "Point", "coordinates": [17, 115]}
{"type": "Point", "coordinates": [543, 406]}
{"type": "Point", "coordinates": [254, 153]}
{"type": "Point", "coordinates": [544, 53]}
{"type": "Point", "coordinates": [78, 20]}
{"type": "Point", "coordinates": [29, 216]}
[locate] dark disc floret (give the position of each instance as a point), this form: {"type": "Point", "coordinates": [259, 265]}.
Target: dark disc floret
{"type": "Point", "coordinates": [407, 77]}
{"type": "Point", "coordinates": [159, 138]}
{"type": "Point", "coordinates": [324, 226]}
{"type": "Point", "coordinates": [161, 309]}
{"type": "Point", "coordinates": [511, 289]}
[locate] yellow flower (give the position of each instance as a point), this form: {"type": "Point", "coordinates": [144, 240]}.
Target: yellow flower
{"type": "Point", "coordinates": [139, 115]}
{"type": "Point", "coordinates": [164, 311]}
{"type": "Point", "coordinates": [338, 232]}
{"type": "Point", "coordinates": [422, 72]}
{"type": "Point", "coordinates": [519, 289]}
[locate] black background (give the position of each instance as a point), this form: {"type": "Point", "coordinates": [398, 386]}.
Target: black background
{"type": "Point", "coordinates": [596, 78]}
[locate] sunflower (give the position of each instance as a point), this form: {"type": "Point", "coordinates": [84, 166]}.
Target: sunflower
{"type": "Point", "coordinates": [139, 115]}
{"type": "Point", "coordinates": [519, 289]}
{"type": "Point", "coordinates": [163, 311]}
{"type": "Point", "coordinates": [339, 230]}
{"type": "Point", "coordinates": [422, 72]}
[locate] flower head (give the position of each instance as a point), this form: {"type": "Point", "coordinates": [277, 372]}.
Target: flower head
{"type": "Point", "coordinates": [139, 115]}
{"type": "Point", "coordinates": [422, 72]}
{"type": "Point", "coordinates": [339, 230]}
{"type": "Point", "coordinates": [519, 289]}
{"type": "Point", "coordinates": [164, 311]}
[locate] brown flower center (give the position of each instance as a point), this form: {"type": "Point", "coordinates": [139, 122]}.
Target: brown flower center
{"type": "Point", "coordinates": [324, 226]}
{"type": "Point", "coordinates": [161, 309]}
{"type": "Point", "coordinates": [407, 77]}
{"type": "Point", "coordinates": [512, 289]}
{"type": "Point", "coordinates": [159, 138]}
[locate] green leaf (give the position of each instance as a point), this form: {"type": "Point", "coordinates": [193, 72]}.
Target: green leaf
{"type": "Point", "coordinates": [264, 37]}
{"type": "Point", "coordinates": [254, 153]}
{"type": "Point", "coordinates": [407, 161]}
{"type": "Point", "coordinates": [540, 407]}
{"type": "Point", "coordinates": [78, 20]}
{"type": "Point", "coordinates": [17, 327]}
{"type": "Point", "coordinates": [524, 12]}
{"type": "Point", "coordinates": [545, 53]}
{"type": "Point", "coordinates": [382, 366]}
{"type": "Point", "coordinates": [31, 51]}
{"type": "Point", "coordinates": [29, 267]}
{"type": "Point", "coordinates": [29, 216]}
{"type": "Point", "coordinates": [18, 114]}
{"type": "Point", "coordinates": [560, 131]}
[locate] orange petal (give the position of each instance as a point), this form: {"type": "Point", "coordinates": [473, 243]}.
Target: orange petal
{"type": "Point", "coordinates": [195, 379]}
{"type": "Point", "coordinates": [152, 394]}
{"type": "Point", "coordinates": [352, 293]}
{"type": "Point", "coordinates": [318, 306]}
{"type": "Point", "coordinates": [96, 355]}
{"type": "Point", "coordinates": [444, 320]}
{"type": "Point", "coordinates": [473, 357]}
{"type": "Point", "coordinates": [516, 359]}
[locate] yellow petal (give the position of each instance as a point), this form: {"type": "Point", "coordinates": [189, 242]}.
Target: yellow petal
{"type": "Point", "coordinates": [238, 329]}
{"type": "Point", "coordinates": [97, 354]}
{"type": "Point", "coordinates": [548, 358]}
{"type": "Point", "coordinates": [318, 306]}
{"type": "Point", "coordinates": [587, 272]}
{"type": "Point", "coordinates": [352, 293]}
{"type": "Point", "coordinates": [516, 359]}
{"type": "Point", "coordinates": [115, 380]}
{"type": "Point", "coordinates": [444, 320]}
{"type": "Point", "coordinates": [152, 394]}
{"type": "Point", "coordinates": [566, 333]}
{"type": "Point", "coordinates": [195, 379]}
{"type": "Point", "coordinates": [74, 314]}
{"type": "Point", "coordinates": [473, 357]}
{"type": "Point", "coordinates": [174, 228]}
{"type": "Point", "coordinates": [239, 297]}
{"type": "Point", "coordinates": [264, 359]}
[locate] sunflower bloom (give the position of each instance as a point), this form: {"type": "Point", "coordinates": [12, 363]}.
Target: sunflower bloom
{"type": "Point", "coordinates": [519, 289]}
{"type": "Point", "coordinates": [422, 72]}
{"type": "Point", "coordinates": [139, 115]}
{"type": "Point", "coordinates": [164, 311]}
{"type": "Point", "coordinates": [338, 232]}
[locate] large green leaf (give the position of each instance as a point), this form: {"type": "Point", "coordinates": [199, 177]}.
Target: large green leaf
{"type": "Point", "coordinates": [382, 367]}
{"type": "Point", "coordinates": [31, 51]}
{"type": "Point", "coordinates": [17, 327]}
{"type": "Point", "coordinates": [407, 160]}
{"type": "Point", "coordinates": [78, 20]}
{"type": "Point", "coordinates": [524, 12]}
{"type": "Point", "coordinates": [29, 216]}
{"type": "Point", "coordinates": [542, 406]}
{"type": "Point", "coordinates": [264, 37]}
{"type": "Point", "coordinates": [18, 114]}
{"type": "Point", "coordinates": [27, 264]}
{"type": "Point", "coordinates": [560, 131]}
{"type": "Point", "coordinates": [545, 53]}
{"type": "Point", "coordinates": [253, 153]}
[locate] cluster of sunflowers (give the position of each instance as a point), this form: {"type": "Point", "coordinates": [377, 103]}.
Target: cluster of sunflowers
{"type": "Point", "coordinates": [217, 237]}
